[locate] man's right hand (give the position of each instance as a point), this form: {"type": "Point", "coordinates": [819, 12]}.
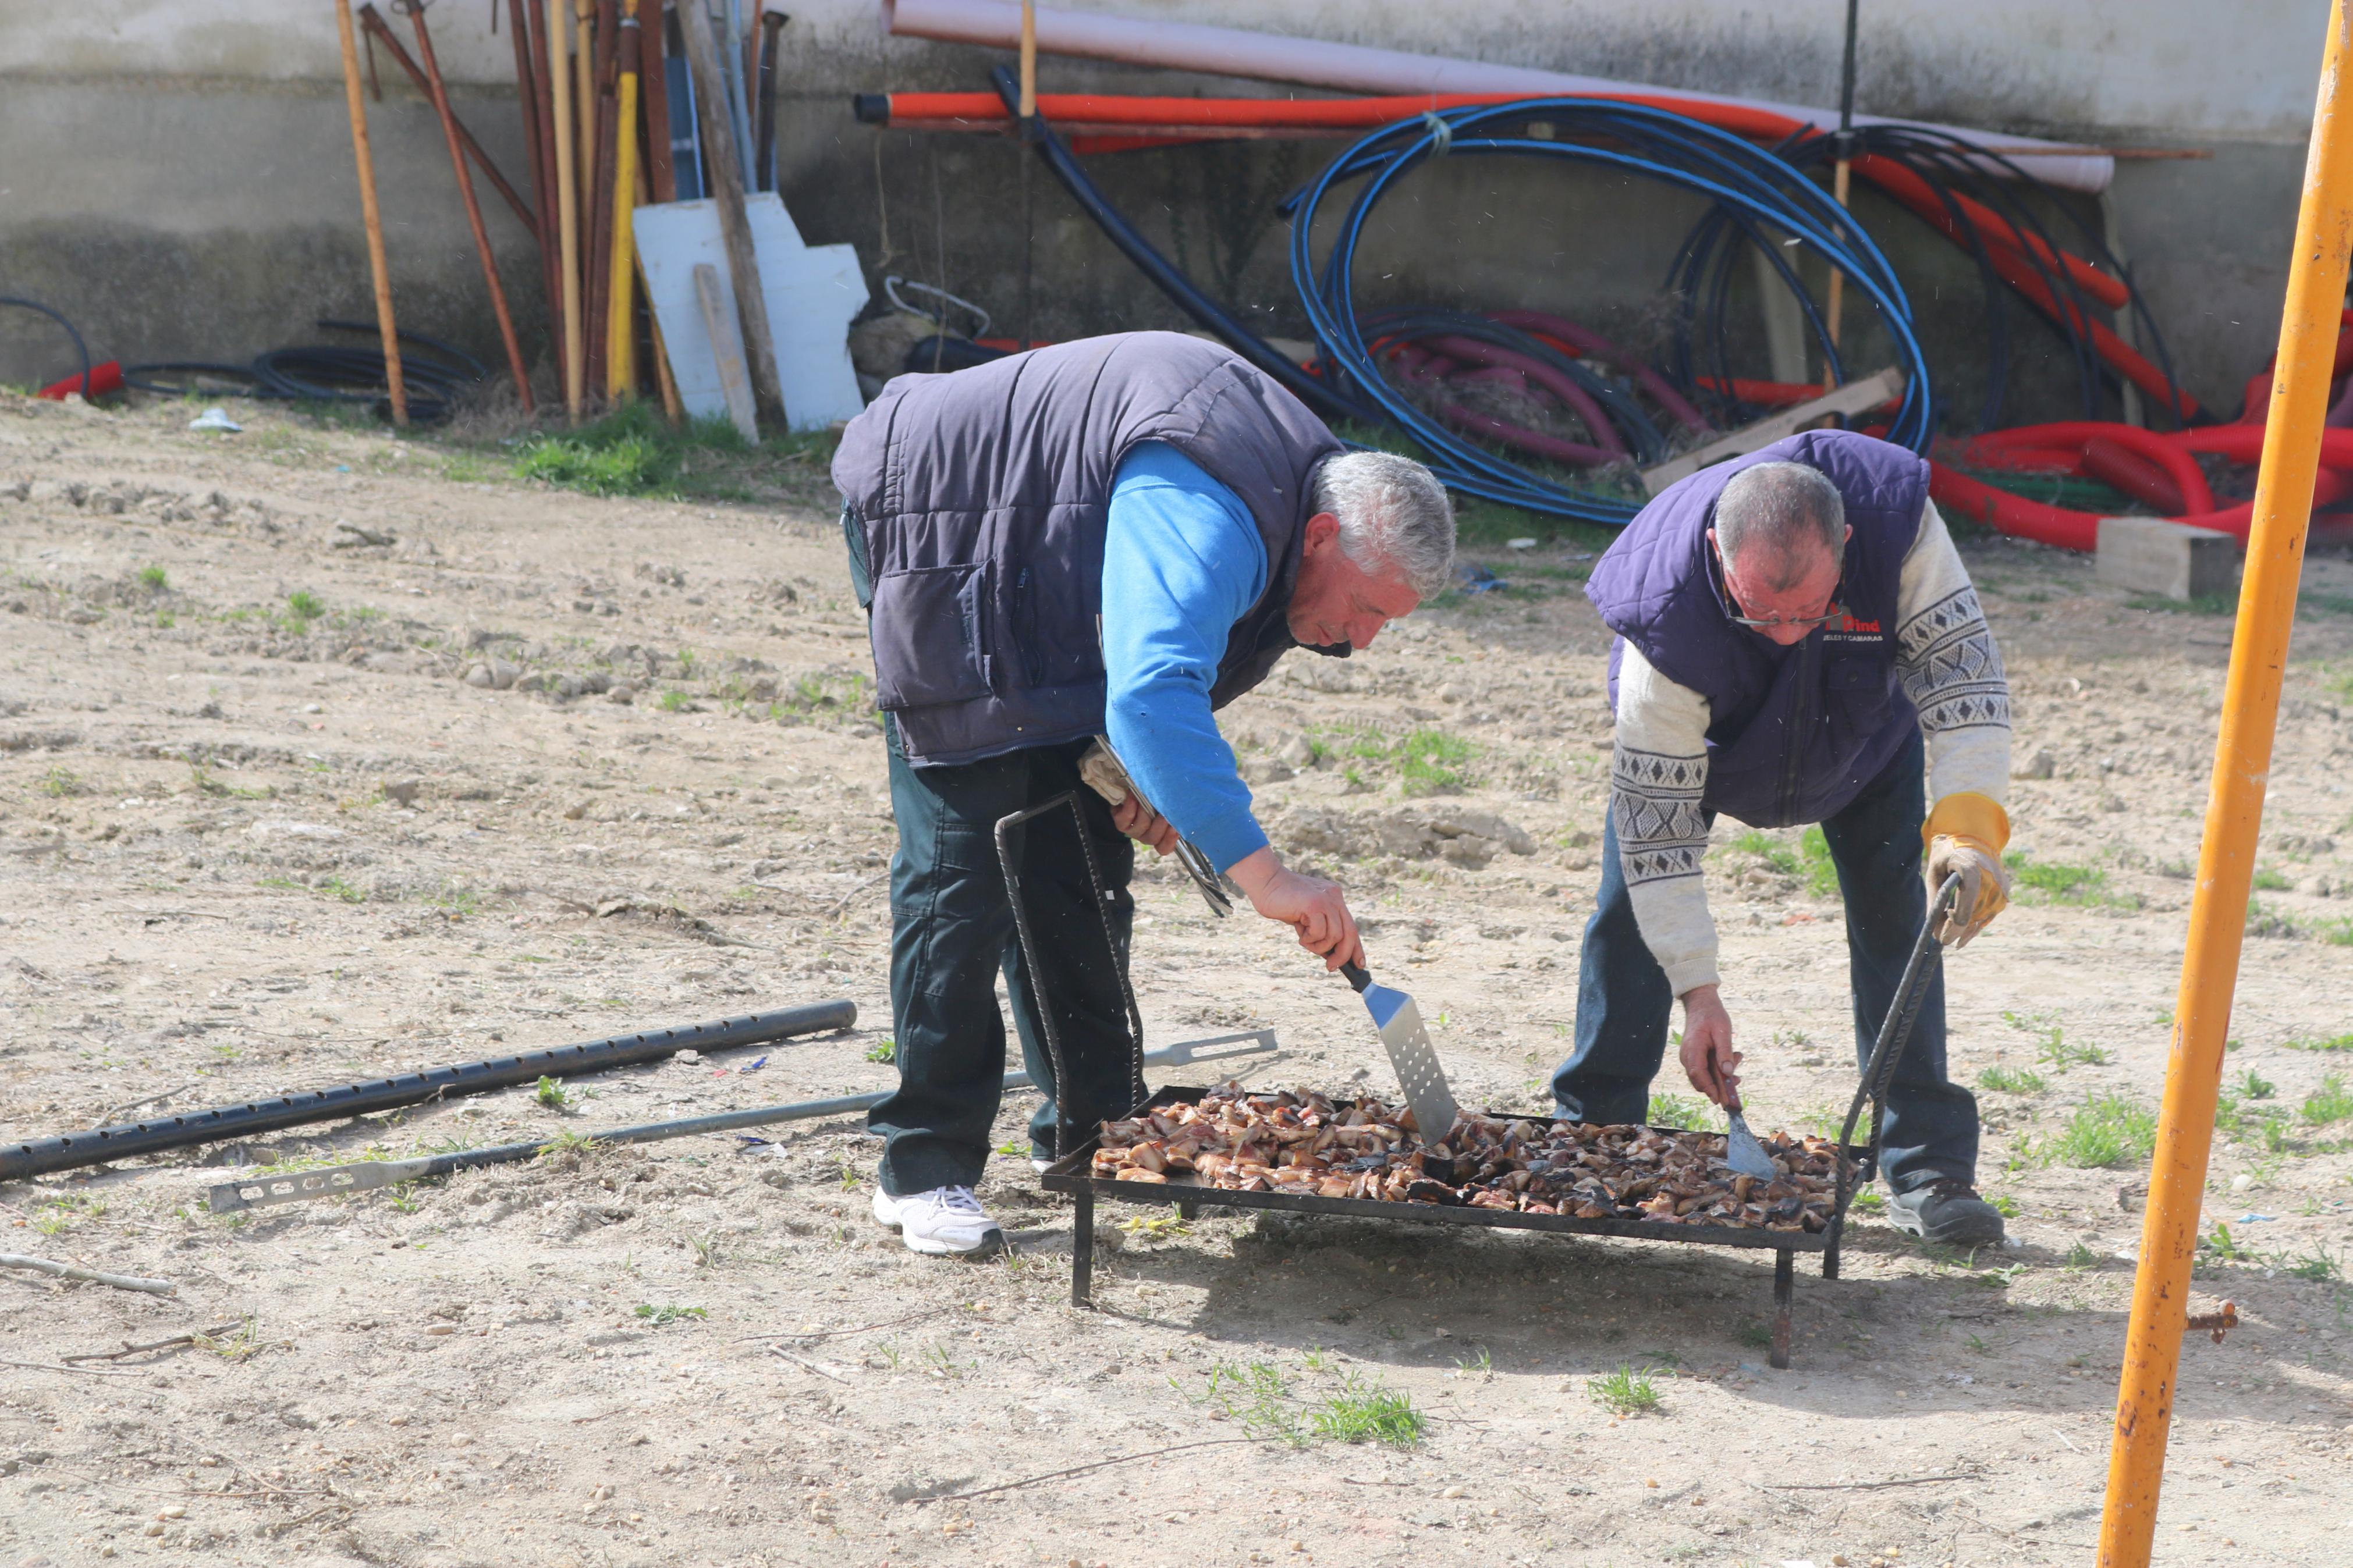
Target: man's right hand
{"type": "Point", "coordinates": [1311, 906]}
{"type": "Point", "coordinates": [1709, 1058]}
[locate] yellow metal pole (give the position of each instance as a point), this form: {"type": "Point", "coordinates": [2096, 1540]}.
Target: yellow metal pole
{"type": "Point", "coordinates": [567, 207]}
{"type": "Point", "coordinates": [621, 309]}
{"type": "Point", "coordinates": [2242, 753]}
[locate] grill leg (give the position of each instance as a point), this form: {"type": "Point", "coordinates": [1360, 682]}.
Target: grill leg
{"type": "Point", "coordinates": [1082, 1250]}
{"type": "Point", "coordinates": [1785, 1289]}
{"type": "Point", "coordinates": [1188, 1211]}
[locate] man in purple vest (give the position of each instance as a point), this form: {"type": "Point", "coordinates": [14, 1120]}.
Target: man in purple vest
{"type": "Point", "coordinates": [1797, 642]}
{"type": "Point", "coordinates": [1112, 537]}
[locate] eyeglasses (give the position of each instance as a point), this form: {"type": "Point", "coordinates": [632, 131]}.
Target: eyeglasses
{"type": "Point", "coordinates": [1835, 612]}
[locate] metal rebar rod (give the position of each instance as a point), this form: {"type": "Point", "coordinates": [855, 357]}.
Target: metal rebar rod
{"type": "Point", "coordinates": [263, 1188]}
{"type": "Point", "coordinates": [378, 28]}
{"type": "Point", "coordinates": [73, 1151]}
{"type": "Point", "coordinates": [450, 129]}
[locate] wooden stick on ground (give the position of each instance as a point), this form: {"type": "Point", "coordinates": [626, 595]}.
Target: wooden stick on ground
{"type": "Point", "coordinates": [176, 1342]}
{"type": "Point", "coordinates": [726, 172]}
{"type": "Point", "coordinates": [515, 367]}
{"type": "Point", "coordinates": [356, 102]}
{"type": "Point", "coordinates": [88, 1276]}
{"type": "Point", "coordinates": [726, 350]}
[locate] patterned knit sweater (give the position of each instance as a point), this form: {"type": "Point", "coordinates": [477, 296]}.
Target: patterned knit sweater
{"type": "Point", "coordinates": [1951, 669]}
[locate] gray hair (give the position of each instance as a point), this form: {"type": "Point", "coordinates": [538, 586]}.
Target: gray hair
{"type": "Point", "coordinates": [1780, 514]}
{"type": "Point", "coordinates": [1394, 516]}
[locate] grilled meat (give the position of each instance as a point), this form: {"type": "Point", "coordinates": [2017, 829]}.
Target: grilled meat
{"type": "Point", "coordinates": [1296, 1141]}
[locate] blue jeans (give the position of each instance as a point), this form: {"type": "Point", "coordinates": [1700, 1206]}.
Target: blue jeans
{"type": "Point", "coordinates": [1624, 1004]}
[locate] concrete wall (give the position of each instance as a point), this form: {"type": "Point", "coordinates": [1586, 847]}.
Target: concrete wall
{"type": "Point", "coordinates": [177, 176]}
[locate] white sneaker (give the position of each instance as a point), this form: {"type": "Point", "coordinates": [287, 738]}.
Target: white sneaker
{"type": "Point", "coordinates": [945, 1220]}
{"type": "Point", "coordinates": [1041, 1167]}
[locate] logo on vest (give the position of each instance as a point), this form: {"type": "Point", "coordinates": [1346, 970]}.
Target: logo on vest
{"type": "Point", "coordinates": [1850, 627]}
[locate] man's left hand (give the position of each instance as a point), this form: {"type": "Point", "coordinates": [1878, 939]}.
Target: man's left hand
{"type": "Point", "coordinates": [1984, 891]}
{"type": "Point", "coordinates": [1142, 824]}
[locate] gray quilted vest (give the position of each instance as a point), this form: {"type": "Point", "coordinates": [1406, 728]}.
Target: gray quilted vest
{"type": "Point", "coordinates": [983, 497]}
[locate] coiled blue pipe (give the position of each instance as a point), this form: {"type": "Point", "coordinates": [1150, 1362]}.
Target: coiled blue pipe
{"type": "Point", "coordinates": [1760, 193]}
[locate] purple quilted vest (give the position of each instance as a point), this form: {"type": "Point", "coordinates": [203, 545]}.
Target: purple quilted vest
{"type": "Point", "coordinates": [1795, 733]}
{"type": "Point", "coordinates": [984, 496]}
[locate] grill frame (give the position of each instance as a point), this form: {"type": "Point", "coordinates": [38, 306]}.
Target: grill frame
{"type": "Point", "coordinates": [1072, 1176]}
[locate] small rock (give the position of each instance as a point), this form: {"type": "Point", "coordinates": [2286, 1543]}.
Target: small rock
{"type": "Point", "coordinates": [2041, 765]}
{"type": "Point", "coordinates": [153, 1527]}
{"type": "Point", "coordinates": [480, 676]}
{"type": "Point", "coordinates": [1296, 752]}
{"type": "Point", "coordinates": [172, 1511]}
{"type": "Point", "coordinates": [622, 694]}
{"type": "Point", "coordinates": [689, 1055]}
{"type": "Point", "coordinates": [504, 675]}
{"type": "Point", "coordinates": [535, 681]}
{"type": "Point", "coordinates": [402, 792]}
{"type": "Point", "coordinates": [1454, 1492]}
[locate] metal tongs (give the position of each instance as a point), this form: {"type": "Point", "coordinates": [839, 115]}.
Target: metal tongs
{"type": "Point", "coordinates": [1106, 776]}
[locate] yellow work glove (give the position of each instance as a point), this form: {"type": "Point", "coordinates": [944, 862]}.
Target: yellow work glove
{"type": "Point", "coordinates": [1965, 834]}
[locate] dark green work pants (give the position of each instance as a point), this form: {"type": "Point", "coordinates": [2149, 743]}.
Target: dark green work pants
{"type": "Point", "coordinates": [953, 935]}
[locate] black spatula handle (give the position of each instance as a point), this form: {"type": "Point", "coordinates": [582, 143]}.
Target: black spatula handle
{"type": "Point", "coordinates": [1357, 977]}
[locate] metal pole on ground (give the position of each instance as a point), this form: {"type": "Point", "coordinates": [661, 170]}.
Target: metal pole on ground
{"type": "Point", "coordinates": [371, 215]}
{"type": "Point", "coordinates": [2242, 752]}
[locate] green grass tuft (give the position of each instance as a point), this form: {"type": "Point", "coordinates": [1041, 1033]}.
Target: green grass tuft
{"type": "Point", "coordinates": [2056, 882]}
{"type": "Point", "coordinates": [304, 605]}
{"type": "Point", "coordinates": [1430, 761]}
{"type": "Point", "coordinates": [664, 1315]}
{"type": "Point", "coordinates": [551, 1094]}
{"type": "Point", "coordinates": [1625, 1391]}
{"type": "Point", "coordinates": [2332, 1101]}
{"type": "Point", "coordinates": [154, 579]}
{"type": "Point", "coordinates": [2334, 1043]}
{"type": "Point", "coordinates": [2011, 1081]}
{"type": "Point", "coordinates": [2106, 1129]}
{"type": "Point", "coordinates": [1683, 1111]}
{"type": "Point", "coordinates": [1365, 1412]}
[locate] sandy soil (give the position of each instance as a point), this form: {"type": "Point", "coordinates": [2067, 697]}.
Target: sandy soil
{"type": "Point", "coordinates": [251, 842]}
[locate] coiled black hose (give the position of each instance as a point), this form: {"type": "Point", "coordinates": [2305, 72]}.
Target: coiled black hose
{"type": "Point", "coordinates": [330, 373]}
{"type": "Point", "coordinates": [1952, 170]}
{"type": "Point", "coordinates": [81, 348]}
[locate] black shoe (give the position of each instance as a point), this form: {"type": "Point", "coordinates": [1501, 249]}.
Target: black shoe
{"type": "Point", "coordinates": [1947, 1213]}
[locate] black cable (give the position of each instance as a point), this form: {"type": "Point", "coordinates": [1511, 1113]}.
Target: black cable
{"type": "Point", "coordinates": [1319, 396]}
{"type": "Point", "coordinates": [81, 348]}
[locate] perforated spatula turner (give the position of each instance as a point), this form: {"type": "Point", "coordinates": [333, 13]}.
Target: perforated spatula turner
{"type": "Point", "coordinates": [1399, 1022]}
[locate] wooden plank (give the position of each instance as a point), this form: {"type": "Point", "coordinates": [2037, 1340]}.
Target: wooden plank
{"type": "Point", "coordinates": [726, 349]}
{"type": "Point", "coordinates": [1855, 397]}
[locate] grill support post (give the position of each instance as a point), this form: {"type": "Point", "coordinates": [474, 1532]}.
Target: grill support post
{"type": "Point", "coordinates": [1785, 1291]}
{"type": "Point", "coordinates": [1082, 1248]}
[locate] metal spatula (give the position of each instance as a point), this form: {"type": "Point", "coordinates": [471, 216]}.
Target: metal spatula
{"type": "Point", "coordinates": [1741, 1149]}
{"type": "Point", "coordinates": [1399, 1022]}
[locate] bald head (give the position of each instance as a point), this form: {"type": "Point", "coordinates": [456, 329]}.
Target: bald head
{"type": "Point", "coordinates": [1777, 522]}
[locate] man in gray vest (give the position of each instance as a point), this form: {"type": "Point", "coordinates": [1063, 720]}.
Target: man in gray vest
{"type": "Point", "coordinates": [1113, 538]}
{"type": "Point", "coordinates": [1797, 642]}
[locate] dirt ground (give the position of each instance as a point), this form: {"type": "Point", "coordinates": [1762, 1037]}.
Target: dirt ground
{"type": "Point", "coordinates": [257, 832]}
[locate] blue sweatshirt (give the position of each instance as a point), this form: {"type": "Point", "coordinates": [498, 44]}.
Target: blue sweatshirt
{"type": "Point", "coordinates": [1182, 562]}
